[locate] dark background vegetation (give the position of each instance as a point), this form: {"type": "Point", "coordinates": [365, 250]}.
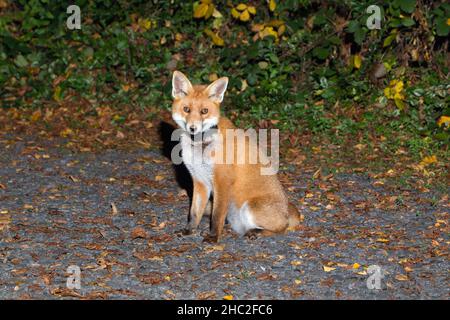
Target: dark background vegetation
{"type": "Point", "coordinates": [311, 68]}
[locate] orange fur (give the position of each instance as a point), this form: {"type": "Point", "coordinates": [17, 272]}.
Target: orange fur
{"type": "Point", "coordinates": [239, 192]}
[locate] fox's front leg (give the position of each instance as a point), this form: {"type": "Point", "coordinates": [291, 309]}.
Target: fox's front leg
{"type": "Point", "coordinates": [219, 213]}
{"type": "Point", "coordinates": [200, 199]}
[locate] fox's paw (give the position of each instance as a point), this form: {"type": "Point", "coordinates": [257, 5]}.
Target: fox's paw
{"type": "Point", "coordinates": [184, 232]}
{"type": "Point", "coordinates": [210, 239]}
{"type": "Point", "coordinates": [253, 234]}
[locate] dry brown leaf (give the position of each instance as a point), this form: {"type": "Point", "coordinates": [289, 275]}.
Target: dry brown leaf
{"type": "Point", "coordinates": [114, 210]}
{"type": "Point", "coordinates": [401, 277]}
{"type": "Point", "coordinates": [73, 179]}
{"type": "Point", "coordinates": [138, 232]}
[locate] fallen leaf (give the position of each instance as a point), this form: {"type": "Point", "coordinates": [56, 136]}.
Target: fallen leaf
{"type": "Point", "coordinates": [362, 273]}
{"type": "Point", "coordinates": [138, 232]}
{"type": "Point", "coordinates": [217, 247]}
{"type": "Point", "coordinates": [206, 295]}
{"type": "Point", "coordinates": [228, 297]}
{"type": "Point", "coordinates": [401, 277]}
{"type": "Point", "coordinates": [328, 269]}
{"type": "Point", "coordinates": [73, 179]}
{"type": "Point", "coordinates": [114, 210]}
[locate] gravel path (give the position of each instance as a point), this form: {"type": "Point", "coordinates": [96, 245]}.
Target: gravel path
{"type": "Point", "coordinates": [114, 214]}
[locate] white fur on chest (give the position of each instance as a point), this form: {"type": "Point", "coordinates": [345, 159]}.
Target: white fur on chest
{"type": "Point", "coordinates": [198, 162]}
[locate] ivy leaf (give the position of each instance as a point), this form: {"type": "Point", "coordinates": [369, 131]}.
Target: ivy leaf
{"type": "Point", "coordinates": [21, 61]}
{"type": "Point", "coordinates": [389, 39]}
{"type": "Point", "coordinates": [321, 53]}
{"type": "Point", "coordinates": [359, 35]}
{"type": "Point", "coordinates": [408, 22]}
{"type": "Point", "coordinates": [353, 26]}
{"type": "Point", "coordinates": [442, 28]}
{"type": "Point", "coordinates": [407, 5]}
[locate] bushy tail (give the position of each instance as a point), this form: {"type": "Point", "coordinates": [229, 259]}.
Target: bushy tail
{"type": "Point", "coordinates": [294, 218]}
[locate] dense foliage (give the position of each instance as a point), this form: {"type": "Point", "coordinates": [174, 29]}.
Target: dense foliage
{"type": "Point", "coordinates": [311, 67]}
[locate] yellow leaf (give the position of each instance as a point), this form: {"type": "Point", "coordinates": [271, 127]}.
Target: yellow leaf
{"type": "Point", "coordinates": [399, 96]}
{"type": "Point", "coordinates": [200, 10]}
{"type": "Point", "coordinates": [428, 160]}
{"type": "Point", "coordinates": [36, 116]}
{"type": "Point", "coordinates": [210, 11]}
{"type": "Point", "coordinates": [178, 36]}
{"type": "Point", "coordinates": [399, 103]}
{"type": "Point", "coordinates": [443, 120]}
{"type": "Point", "coordinates": [235, 13]}
{"type": "Point", "coordinates": [356, 265]}
{"type": "Point", "coordinates": [398, 87]}
{"type": "Point", "coordinates": [357, 61]}
{"type": "Point", "coordinates": [241, 7]}
{"type": "Point", "coordinates": [272, 5]}
{"type": "Point", "coordinates": [145, 24]}
{"type": "Point", "coordinates": [57, 93]}
{"type": "Point", "coordinates": [245, 16]}
{"type": "Point", "coordinates": [218, 41]}
{"type": "Point", "coordinates": [297, 281]}
{"type": "Point", "coordinates": [66, 132]}
{"type": "Point", "coordinates": [252, 10]}
{"type": "Point", "coordinates": [328, 269]}
{"type": "Point", "coordinates": [281, 29]}
{"type": "Point", "coordinates": [388, 93]}
{"type": "Point", "coordinates": [213, 77]}
{"type": "Point", "coordinates": [228, 297]}
{"type": "Point", "coordinates": [448, 21]}
{"type": "Point", "coordinates": [275, 23]}
{"type": "Point", "coordinates": [382, 240]}
{"type": "Point", "coordinates": [268, 31]}
{"type": "Point", "coordinates": [217, 14]}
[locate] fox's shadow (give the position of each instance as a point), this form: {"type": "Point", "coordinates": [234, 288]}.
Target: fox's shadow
{"type": "Point", "coordinates": [182, 174]}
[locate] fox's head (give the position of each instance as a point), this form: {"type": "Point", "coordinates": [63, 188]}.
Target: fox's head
{"type": "Point", "coordinates": [196, 108]}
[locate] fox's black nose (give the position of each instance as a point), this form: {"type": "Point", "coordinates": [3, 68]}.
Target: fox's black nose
{"type": "Point", "coordinates": [192, 128]}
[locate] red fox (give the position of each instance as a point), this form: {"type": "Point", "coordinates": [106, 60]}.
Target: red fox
{"type": "Point", "coordinates": [251, 202]}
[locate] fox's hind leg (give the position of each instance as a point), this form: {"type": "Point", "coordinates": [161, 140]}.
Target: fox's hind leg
{"type": "Point", "coordinates": [270, 216]}
{"type": "Point", "coordinates": [256, 233]}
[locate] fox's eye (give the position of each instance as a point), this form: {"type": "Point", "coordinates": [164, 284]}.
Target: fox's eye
{"type": "Point", "coordinates": [204, 111]}
{"type": "Point", "coordinates": [186, 109]}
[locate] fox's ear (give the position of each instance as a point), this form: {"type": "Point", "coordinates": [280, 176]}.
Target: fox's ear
{"type": "Point", "coordinates": [217, 89]}
{"type": "Point", "coordinates": [181, 85]}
